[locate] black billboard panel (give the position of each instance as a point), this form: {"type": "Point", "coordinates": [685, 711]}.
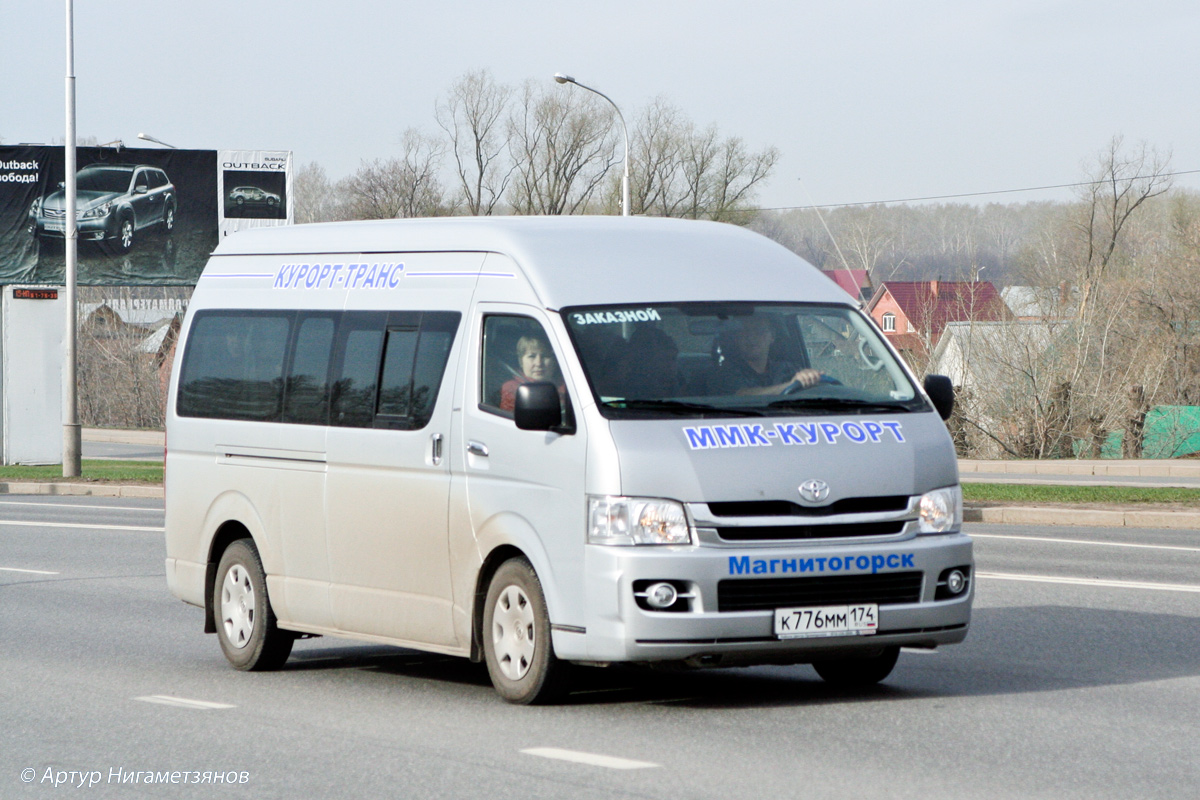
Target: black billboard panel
{"type": "Point", "coordinates": [144, 216]}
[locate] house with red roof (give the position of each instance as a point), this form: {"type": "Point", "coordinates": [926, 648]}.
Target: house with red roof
{"type": "Point", "coordinates": [913, 314]}
{"type": "Point", "coordinates": [854, 282]}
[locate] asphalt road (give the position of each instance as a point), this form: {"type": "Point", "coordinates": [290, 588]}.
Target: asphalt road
{"type": "Point", "coordinates": [1080, 679]}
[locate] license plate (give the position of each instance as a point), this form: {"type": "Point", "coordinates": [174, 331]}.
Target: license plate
{"type": "Point", "coordinates": [57, 227]}
{"type": "Point", "coordinates": [818, 621]}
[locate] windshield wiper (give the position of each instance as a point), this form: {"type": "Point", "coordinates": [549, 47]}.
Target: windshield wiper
{"type": "Point", "coordinates": [845, 402]}
{"type": "Point", "coordinates": [680, 407]}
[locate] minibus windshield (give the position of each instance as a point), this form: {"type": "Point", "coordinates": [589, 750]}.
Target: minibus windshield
{"type": "Point", "coordinates": [746, 359]}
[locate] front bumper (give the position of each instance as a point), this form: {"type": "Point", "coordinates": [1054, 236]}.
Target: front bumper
{"type": "Point", "coordinates": [95, 230]}
{"type": "Point", "coordinates": [617, 629]}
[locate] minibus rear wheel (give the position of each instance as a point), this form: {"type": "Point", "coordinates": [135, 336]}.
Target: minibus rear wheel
{"type": "Point", "coordinates": [858, 671]}
{"type": "Point", "coordinates": [516, 637]}
{"type": "Point", "coordinates": [246, 626]}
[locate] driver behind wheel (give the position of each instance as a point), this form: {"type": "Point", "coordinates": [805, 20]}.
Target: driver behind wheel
{"type": "Point", "coordinates": [748, 367]}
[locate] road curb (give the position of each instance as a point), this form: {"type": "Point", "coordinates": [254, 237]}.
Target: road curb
{"type": "Point", "coordinates": [81, 489]}
{"type": "Point", "coordinates": [1106, 518]}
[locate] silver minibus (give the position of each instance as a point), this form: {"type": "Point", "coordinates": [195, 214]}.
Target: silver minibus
{"type": "Point", "coordinates": [539, 442]}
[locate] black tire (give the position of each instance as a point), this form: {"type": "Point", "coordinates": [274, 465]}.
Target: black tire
{"type": "Point", "coordinates": [859, 671]}
{"type": "Point", "coordinates": [246, 626]}
{"type": "Point", "coordinates": [240, 201]}
{"type": "Point", "coordinates": [516, 637]}
{"type": "Point", "coordinates": [168, 220]}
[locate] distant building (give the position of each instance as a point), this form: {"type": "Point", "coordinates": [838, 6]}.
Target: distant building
{"type": "Point", "coordinates": [854, 282]}
{"type": "Point", "coordinates": [1040, 302]}
{"type": "Point", "coordinates": [913, 314]}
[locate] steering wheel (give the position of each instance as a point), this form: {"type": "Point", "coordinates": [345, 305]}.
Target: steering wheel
{"type": "Point", "coordinates": [797, 386]}
{"type": "Point", "coordinates": [873, 362]}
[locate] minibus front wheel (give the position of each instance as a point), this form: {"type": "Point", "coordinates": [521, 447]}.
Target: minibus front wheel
{"type": "Point", "coordinates": [246, 626]}
{"type": "Point", "coordinates": [516, 637]}
{"type": "Point", "coordinates": [857, 672]}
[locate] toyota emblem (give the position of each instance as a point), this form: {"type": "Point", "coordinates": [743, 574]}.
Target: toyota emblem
{"type": "Point", "coordinates": [814, 491]}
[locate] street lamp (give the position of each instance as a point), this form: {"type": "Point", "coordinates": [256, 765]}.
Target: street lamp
{"type": "Point", "coordinates": [558, 76]}
{"type": "Point", "coordinates": [72, 446]}
{"type": "Point", "coordinates": [150, 138]}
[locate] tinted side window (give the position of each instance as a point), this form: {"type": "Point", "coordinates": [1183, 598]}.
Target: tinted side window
{"type": "Point", "coordinates": [414, 363]}
{"type": "Point", "coordinates": [395, 395]}
{"type": "Point", "coordinates": [307, 391]}
{"type": "Point", "coordinates": [433, 349]}
{"type": "Point", "coordinates": [360, 343]}
{"type": "Point", "coordinates": [233, 366]}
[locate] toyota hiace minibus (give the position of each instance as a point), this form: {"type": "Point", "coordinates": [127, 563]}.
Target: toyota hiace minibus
{"type": "Point", "coordinates": [539, 442]}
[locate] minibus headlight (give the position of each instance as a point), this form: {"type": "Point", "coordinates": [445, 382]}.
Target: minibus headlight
{"type": "Point", "coordinates": [636, 520]}
{"type": "Point", "coordinates": [941, 510]}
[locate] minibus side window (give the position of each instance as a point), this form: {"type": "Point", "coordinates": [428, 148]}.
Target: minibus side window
{"type": "Point", "coordinates": [233, 366]}
{"type": "Point", "coordinates": [516, 350]}
{"type": "Point", "coordinates": [306, 398]}
{"type": "Point", "coordinates": [395, 393]}
{"type": "Point", "coordinates": [360, 342]}
{"type": "Point", "coordinates": [414, 362]}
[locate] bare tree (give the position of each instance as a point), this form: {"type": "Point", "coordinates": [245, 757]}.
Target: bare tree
{"type": "Point", "coordinates": [679, 171]}
{"type": "Point", "coordinates": [474, 117]}
{"type": "Point", "coordinates": [1120, 183]}
{"type": "Point", "coordinates": [314, 196]}
{"type": "Point", "coordinates": [563, 144]}
{"type": "Point", "coordinates": [398, 187]}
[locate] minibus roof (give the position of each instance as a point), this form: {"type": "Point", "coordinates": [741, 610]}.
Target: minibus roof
{"type": "Point", "coordinates": [578, 260]}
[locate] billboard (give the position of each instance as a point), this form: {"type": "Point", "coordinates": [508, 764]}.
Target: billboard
{"type": "Point", "coordinates": [146, 216]}
{"type": "Point", "coordinates": [255, 188]}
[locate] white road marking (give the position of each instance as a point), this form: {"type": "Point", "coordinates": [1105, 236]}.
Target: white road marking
{"type": "Point", "coordinates": [18, 524]}
{"type": "Point", "coordinates": [593, 759]}
{"type": "Point", "coordinates": [182, 702]}
{"type": "Point", "coordinates": [60, 506]}
{"type": "Point", "coordinates": [1085, 541]}
{"type": "Point", "coordinates": [30, 571]}
{"type": "Point", "coordinates": [1158, 587]}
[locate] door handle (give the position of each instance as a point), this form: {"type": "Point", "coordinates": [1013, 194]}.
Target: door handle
{"type": "Point", "coordinates": [477, 448]}
{"type": "Point", "coordinates": [435, 448]}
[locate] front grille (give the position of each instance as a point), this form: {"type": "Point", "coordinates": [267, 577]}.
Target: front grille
{"type": "Point", "coordinates": [749, 594]}
{"type": "Point", "coordinates": [786, 508]}
{"type": "Point", "coordinates": [54, 213]}
{"type": "Point", "coordinates": [775, 532]}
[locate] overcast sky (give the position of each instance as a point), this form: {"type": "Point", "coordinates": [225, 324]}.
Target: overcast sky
{"type": "Point", "coordinates": [866, 100]}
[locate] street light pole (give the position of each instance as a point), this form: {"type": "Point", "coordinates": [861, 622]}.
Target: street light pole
{"type": "Point", "coordinates": [150, 138]}
{"type": "Point", "coordinates": [72, 444]}
{"type": "Point", "coordinates": [561, 78]}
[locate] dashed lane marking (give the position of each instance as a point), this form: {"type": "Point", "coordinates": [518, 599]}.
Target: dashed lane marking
{"type": "Point", "coordinates": [182, 702]}
{"type": "Point", "coordinates": [1156, 587]}
{"type": "Point", "coordinates": [1085, 542]}
{"type": "Point", "coordinates": [18, 524]}
{"type": "Point", "coordinates": [592, 759]}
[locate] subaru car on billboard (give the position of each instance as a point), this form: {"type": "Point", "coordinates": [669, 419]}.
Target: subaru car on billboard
{"type": "Point", "coordinates": [115, 202]}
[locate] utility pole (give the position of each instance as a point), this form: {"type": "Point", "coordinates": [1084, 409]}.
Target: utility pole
{"type": "Point", "coordinates": [72, 440]}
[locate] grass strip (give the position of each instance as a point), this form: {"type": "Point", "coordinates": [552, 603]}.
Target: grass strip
{"type": "Point", "coordinates": [102, 471]}
{"type": "Point", "coordinates": [1050, 493]}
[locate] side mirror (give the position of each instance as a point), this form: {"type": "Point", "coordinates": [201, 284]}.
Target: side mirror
{"type": "Point", "coordinates": [140, 189]}
{"type": "Point", "coordinates": [538, 407]}
{"type": "Point", "coordinates": [941, 392]}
